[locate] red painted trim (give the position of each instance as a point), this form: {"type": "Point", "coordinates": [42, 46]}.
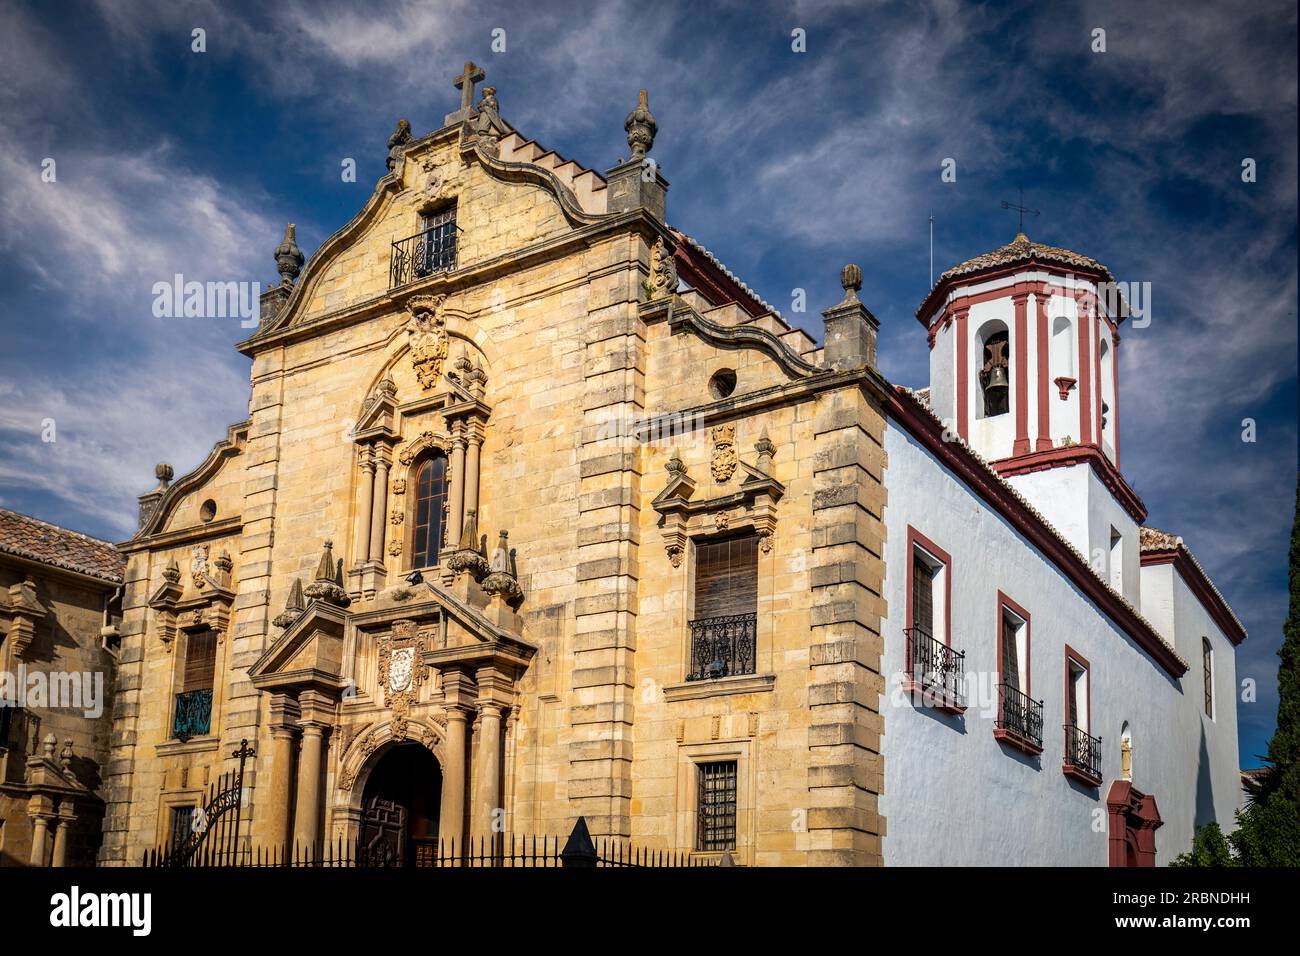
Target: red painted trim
{"type": "Point", "coordinates": [1073, 455]}
{"type": "Point", "coordinates": [1134, 818]}
{"type": "Point", "coordinates": [928, 433]}
{"type": "Point", "coordinates": [1114, 368]}
{"type": "Point", "coordinates": [1200, 586]}
{"type": "Point", "coordinates": [1020, 612]}
{"type": "Point", "coordinates": [1085, 364]}
{"type": "Point", "coordinates": [710, 281]}
{"type": "Point", "coordinates": [1101, 392]}
{"type": "Point", "coordinates": [1021, 445]}
{"type": "Point", "coordinates": [1063, 386]}
{"type": "Point", "coordinates": [914, 538]}
{"type": "Point", "coordinates": [1072, 654]}
{"type": "Point", "coordinates": [963, 373]}
{"type": "Point", "coordinates": [1043, 441]}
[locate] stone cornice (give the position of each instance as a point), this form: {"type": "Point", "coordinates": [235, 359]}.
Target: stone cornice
{"type": "Point", "coordinates": [226, 448]}
{"type": "Point", "coordinates": [681, 317]}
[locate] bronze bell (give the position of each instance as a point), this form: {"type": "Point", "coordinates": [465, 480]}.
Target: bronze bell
{"type": "Point", "coordinates": [997, 393]}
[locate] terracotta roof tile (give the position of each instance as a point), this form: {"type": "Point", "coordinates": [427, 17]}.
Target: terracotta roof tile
{"type": "Point", "coordinates": [1022, 248]}
{"type": "Point", "coordinates": [35, 540]}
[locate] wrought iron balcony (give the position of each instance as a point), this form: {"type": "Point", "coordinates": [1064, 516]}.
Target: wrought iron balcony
{"type": "Point", "coordinates": [723, 646]}
{"type": "Point", "coordinates": [935, 670]}
{"type": "Point", "coordinates": [1020, 720]}
{"type": "Point", "coordinates": [1082, 755]}
{"type": "Point", "coordinates": [193, 714]}
{"type": "Point", "coordinates": [423, 254]}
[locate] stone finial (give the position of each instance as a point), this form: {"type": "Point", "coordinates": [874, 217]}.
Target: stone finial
{"type": "Point", "coordinates": [765, 450]}
{"type": "Point", "coordinates": [851, 282]}
{"type": "Point", "coordinates": [501, 581]}
{"type": "Point", "coordinates": [293, 607]}
{"type": "Point", "coordinates": [675, 466]}
{"type": "Point", "coordinates": [288, 257]}
{"type": "Point", "coordinates": [326, 587]}
{"type": "Point", "coordinates": [65, 755]}
{"type": "Point", "coordinates": [467, 557]}
{"type": "Point", "coordinates": [172, 573]}
{"type": "Point", "coordinates": [48, 745]}
{"type": "Point", "coordinates": [641, 128]}
{"type": "Point", "coordinates": [398, 142]}
{"type": "Point", "coordinates": [164, 473]}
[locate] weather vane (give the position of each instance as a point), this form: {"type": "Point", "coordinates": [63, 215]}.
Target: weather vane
{"type": "Point", "coordinates": [1021, 208]}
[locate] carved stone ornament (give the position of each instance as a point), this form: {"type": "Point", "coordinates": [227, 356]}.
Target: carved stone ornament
{"type": "Point", "coordinates": [724, 461]}
{"type": "Point", "coordinates": [398, 142]}
{"type": "Point", "coordinates": [663, 271]}
{"type": "Point", "coordinates": [401, 672]}
{"type": "Point", "coordinates": [199, 564]}
{"type": "Point", "coordinates": [398, 486]}
{"type": "Point", "coordinates": [641, 128]}
{"type": "Point", "coordinates": [434, 178]}
{"type": "Point", "coordinates": [427, 333]}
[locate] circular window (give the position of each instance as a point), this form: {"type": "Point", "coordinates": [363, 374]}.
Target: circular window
{"type": "Point", "coordinates": [723, 383]}
{"type": "Point", "coordinates": [208, 510]}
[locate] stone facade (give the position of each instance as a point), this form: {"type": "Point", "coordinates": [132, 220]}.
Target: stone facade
{"type": "Point", "coordinates": [548, 678]}
{"type": "Point", "coordinates": [58, 633]}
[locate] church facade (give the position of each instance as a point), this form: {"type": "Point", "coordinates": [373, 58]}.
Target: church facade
{"type": "Point", "coordinates": [541, 513]}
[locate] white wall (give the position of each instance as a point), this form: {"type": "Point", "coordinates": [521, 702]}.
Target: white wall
{"type": "Point", "coordinates": [953, 794]}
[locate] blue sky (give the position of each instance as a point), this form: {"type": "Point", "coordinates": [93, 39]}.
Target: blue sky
{"type": "Point", "coordinates": [786, 165]}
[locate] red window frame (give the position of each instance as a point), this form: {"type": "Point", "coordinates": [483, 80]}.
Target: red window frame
{"type": "Point", "coordinates": [915, 539]}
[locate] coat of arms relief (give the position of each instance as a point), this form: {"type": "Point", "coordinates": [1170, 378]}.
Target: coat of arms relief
{"type": "Point", "coordinates": [724, 461]}
{"type": "Point", "coordinates": [427, 333]}
{"type": "Point", "coordinates": [401, 672]}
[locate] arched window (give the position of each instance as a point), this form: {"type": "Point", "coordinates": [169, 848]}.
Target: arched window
{"type": "Point", "coordinates": [1207, 665]}
{"type": "Point", "coordinates": [1062, 348]}
{"type": "Point", "coordinates": [430, 510]}
{"type": "Point", "coordinates": [993, 370]}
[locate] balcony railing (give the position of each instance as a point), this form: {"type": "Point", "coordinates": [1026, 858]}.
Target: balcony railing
{"type": "Point", "coordinates": [723, 646]}
{"type": "Point", "coordinates": [423, 254]}
{"type": "Point", "coordinates": [1020, 718]}
{"type": "Point", "coordinates": [193, 714]}
{"type": "Point", "coordinates": [1082, 753]}
{"type": "Point", "coordinates": [936, 669]}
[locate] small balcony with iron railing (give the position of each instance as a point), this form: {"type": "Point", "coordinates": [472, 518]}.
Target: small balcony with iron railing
{"type": "Point", "coordinates": [422, 255]}
{"type": "Point", "coordinates": [723, 646]}
{"type": "Point", "coordinates": [1020, 720]}
{"type": "Point", "coordinates": [935, 674]}
{"type": "Point", "coordinates": [193, 714]}
{"type": "Point", "coordinates": [1082, 756]}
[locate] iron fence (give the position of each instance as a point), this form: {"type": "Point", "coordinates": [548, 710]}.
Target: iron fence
{"type": "Point", "coordinates": [422, 254]}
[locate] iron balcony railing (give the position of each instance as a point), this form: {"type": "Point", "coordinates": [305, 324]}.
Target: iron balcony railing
{"type": "Point", "coordinates": [193, 714]}
{"type": "Point", "coordinates": [1020, 714]}
{"type": "Point", "coordinates": [423, 254]}
{"type": "Point", "coordinates": [935, 667]}
{"type": "Point", "coordinates": [723, 646]}
{"type": "Point", "coordinates": [1083, 751]}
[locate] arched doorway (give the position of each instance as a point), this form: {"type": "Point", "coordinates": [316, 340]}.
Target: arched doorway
{"type": "Point", "coordinates": [399, 809]}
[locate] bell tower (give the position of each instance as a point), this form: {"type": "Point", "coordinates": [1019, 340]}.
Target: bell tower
{"type": "Point", "coordinates": [1023, 348]}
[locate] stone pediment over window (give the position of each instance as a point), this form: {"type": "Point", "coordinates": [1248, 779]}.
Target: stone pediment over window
{"type": "Point", "coordinates": [752, 505]}
{"type": "Point", "coordinates": [308, 655]}
{"type": "Point", "coordinates": [205, 601]}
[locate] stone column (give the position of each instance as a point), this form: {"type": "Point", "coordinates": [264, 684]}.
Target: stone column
{"type": "Point", "coordinates": [471, 470]}
{"type": "Point", "coordinates": [279, 776]}
{"type": "Point", "coordinates": [451, 817]}
{"type": "Point", "coordinates": [488, 796]}
{"type": "Point", "coordinates": [456, 496]}
{"type": "Point", "coordinates": [306, 830]}
{"type": "Point", "coordinates": [66, 817]}
{"type": "Point", "coordinates": [378, 504]}
{"type": "Point", "coordinates": [366, 492]}
{"type": "Point", "coordinates": [41, 810]}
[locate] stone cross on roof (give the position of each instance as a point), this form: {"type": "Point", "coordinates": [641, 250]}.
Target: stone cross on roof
{"type": "Point", "coordinates": [465, 82]}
